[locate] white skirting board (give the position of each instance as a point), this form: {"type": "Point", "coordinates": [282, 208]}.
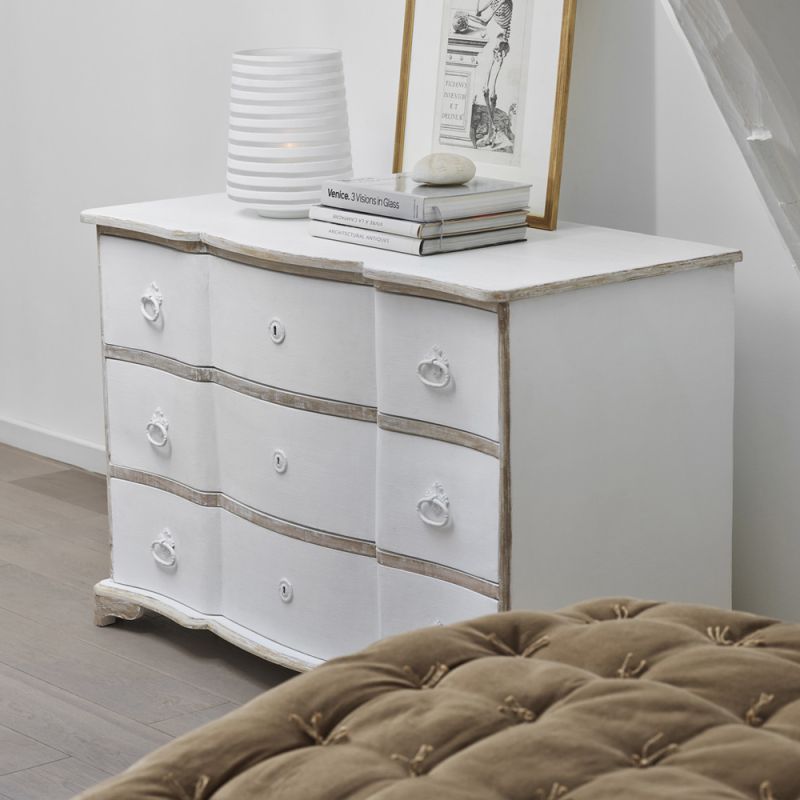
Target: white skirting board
{"type": "Point", "coordinates": [76, 452]}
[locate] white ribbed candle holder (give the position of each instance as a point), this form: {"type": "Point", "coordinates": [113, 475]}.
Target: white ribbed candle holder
{"type": "Point", "coordinates": [288, 129]}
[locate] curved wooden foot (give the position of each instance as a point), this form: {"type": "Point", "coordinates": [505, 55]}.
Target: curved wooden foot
{"type": "Point", "coordinates": [107, 610]}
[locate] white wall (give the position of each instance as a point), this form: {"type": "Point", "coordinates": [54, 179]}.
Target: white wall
{"type": "Point", "coordinates": [110, 102]}
{"type": "Point", "coordinates": [698, 187]}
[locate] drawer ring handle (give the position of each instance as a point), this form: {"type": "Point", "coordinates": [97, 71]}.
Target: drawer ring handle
{"type": "Point", "coordinates": [150, 303]}
{"type": "Point", "coordinates": [158, 429]}
{"type": "Point", "coordinates": [163, 550]}
{"type": "Point", "coordinates": [434, 508]}
{"type": "Point", "coordinates": [434, 371]}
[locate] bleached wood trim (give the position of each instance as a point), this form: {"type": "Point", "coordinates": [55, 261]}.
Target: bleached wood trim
{"type": "Point", "coordinates": [442, 433]}
{"type": "Point", "coordinates": [198, 243]}
{"type": "Point", "coordinates": [334, 541]}
{"type": "Point", "coordinates": [504, 407]}
{"type": "Point", "coordinates": [430, 294]}
{"type": "Point", "coordinates": [431, 569]}
{"type": "Point", "coordinates": [319, 272]}
{"type": "Point", "coordinates": [114, 600]}
{"type": "Point", "coordinates": [421, 286]}
{"type": "Point", "coordinates": [107, 610]}
{"type": "Point", "coordinates": [260, 391]}
{"type": "Point", "coordinates": [183, 245]}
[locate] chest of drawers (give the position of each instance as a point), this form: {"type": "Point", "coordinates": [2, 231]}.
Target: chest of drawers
{"type": "Point", "coordinates": [313, 445]}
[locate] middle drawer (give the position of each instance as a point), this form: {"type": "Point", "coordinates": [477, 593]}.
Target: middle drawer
{"type": "Point", "coordinates": [438, 502]}
{"type": "Point", "coordinates": [312, 469]}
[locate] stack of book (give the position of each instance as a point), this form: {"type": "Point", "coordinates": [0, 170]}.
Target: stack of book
{"type": "Point", "coordinates": [397, 214]}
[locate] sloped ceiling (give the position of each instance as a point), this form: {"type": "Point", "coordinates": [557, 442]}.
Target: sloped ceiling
{"type": "Point", "coordinates": [748, 53]}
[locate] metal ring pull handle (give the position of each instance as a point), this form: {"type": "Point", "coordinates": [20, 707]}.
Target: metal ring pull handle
{"type": "Point", "coordinates": [158, 429]}
{"type": "Point", "coordinates": [434, 371]}
{"type": "Point", "coordinates": [163, 550]}
{"type": "Point", "coordinates": [434, 508]}
{"type": "Point", "coordinates": [150, 303]}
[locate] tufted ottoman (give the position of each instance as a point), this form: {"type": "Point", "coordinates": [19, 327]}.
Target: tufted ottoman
{"type": "Point", "coordinates": [613, 698]}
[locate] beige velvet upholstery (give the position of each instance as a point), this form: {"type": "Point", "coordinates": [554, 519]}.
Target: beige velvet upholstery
{"type": "Point", "coordinates": [609, 699]}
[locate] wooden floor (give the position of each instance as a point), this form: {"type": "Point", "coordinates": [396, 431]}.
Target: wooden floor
{"type": "Point", "coordinates": [79, 703]}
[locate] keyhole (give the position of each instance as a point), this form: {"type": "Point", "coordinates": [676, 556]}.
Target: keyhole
{"type": "Point", "coordinates": [276, 331]}
{"type": "Point", "coordinates": [285, 590]}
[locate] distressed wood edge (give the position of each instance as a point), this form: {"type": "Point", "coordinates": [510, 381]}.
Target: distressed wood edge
{"type": "Point", "coordinates": [430, 569]}
{"type": "Point", "coordinates": [282, 527]}
{"type": "Point", "coordinates": [385, 281]}
{"type": "Point", "coordinates": [275, 261]}
{"type": "Point", "coordinates": [260, 391]}
{"type": "Point", "coordinates": [441, 433]}
{"type": "Point", "coordinates": [110, 609]}
{"type": "Point", "coordinates": [106, 425]}
{"type": "Point", "coordinates": [432, 294]}
{"type": "Point", "coordinates": [504, 423]}
{"type": "Point", "coordinates": [190, 244]}
{"type": "Point", "coordinates": [397, 283]}
{"type": "Point", "coordinates": [114, 595]}
{"type": "Point", "coordinates": [302, 267]}
{"type": "Point", "coordinates": [623, 276]}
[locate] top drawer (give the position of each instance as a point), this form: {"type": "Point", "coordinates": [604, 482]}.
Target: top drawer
{"type": "Point", "coordinates": [295, 333]}
{"type": "Point", "coordinates": [155, 299]}
{"type": "Point", "coordinates": [438, 362]}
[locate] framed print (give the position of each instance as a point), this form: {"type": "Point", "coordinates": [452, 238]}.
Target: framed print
{"type": "Point", "coordinates": [489, 79]}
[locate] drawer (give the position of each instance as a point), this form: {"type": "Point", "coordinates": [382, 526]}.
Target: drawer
{"type": "Point", "coordinates": [438, 362]}
{"type": "Point", "coordinates": [155, 299]}
{"type": "Point", "coordinates": [301, 334]}
{"type": "Point", "coordinates": [147, 404]}
{"type": "Point", "coordinates": [319, 601]}
{"type": "Point", "coordinates": [166, 545]}
{"type": "Point", "coordinates": [438, 502]}
{"type": "Point", "coordinates": [409, 601]}
{"type": "Point", "coordinates": [312, 469]}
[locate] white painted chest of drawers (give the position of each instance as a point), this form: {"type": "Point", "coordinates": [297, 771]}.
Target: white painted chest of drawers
{"type": "Point", "coordinates": [313, 445]}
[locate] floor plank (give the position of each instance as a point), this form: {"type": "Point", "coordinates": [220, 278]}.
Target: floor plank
{"type": "Point", "coordinates": [101, 738]}
{"type": "Point", "coordinates": [198, 657]}
{"type": "Point", "coordinates": [18, 752]}
{"type": "Point", "coordinates": [72, 562]}
{"type": "Point", "coordinates": [59, 780]}
{"type": "Point", "coordinates": [138, 692]}
{"type": "Point", "coordinates": [84, 489]}
{"type": "Point", "coordinates": [34, 510]}
{"type": "Point", "coordinates": [15, 464]}
{"type": "Point", "coordinates": [177, 726]}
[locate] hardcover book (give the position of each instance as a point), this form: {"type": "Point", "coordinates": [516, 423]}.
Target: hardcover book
{"type": "Point", "coordinates": [413, 246]}
{"type": "Point", "coordinates": [419, 230]}
{"type": "Point", "coordinates": [400, 197]}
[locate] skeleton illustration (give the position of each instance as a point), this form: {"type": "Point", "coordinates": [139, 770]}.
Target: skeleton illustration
{"type": "Point", "coordinates": [501, 12]}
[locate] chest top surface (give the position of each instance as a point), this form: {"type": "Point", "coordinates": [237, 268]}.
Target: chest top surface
{"type": "Point", "coordinates": [572, 257]}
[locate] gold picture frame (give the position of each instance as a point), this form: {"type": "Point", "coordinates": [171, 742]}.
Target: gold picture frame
{"type": "Point", "coordinates": [545, 204]}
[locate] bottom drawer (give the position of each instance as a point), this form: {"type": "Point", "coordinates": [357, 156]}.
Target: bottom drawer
{"type": "Point", "coordinates": [166, 545]}
{"type": "Point", "coordinates": [314, 599]}
{"type": "Point", "coordinates": [410, 601]}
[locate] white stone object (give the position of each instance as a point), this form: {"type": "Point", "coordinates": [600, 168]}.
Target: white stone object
{"type": "Point", "coordinates": [443, 169]}
{"type": "Point", "coordinates": [315, 444]}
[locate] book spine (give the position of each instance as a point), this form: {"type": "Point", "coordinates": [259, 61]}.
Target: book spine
{"type": "Point", "coordinates": [345, 194]}
{"type": "Point", "coordinates": [384, 241]}
{"type": "Point", "coordinates": [371, 222]}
